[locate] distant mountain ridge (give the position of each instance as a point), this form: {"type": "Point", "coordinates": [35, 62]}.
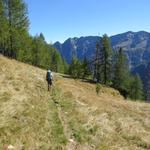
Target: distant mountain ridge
{"type": "Point", "coordinates": [136, 45]}
{"type": "Point", "coordinates": [83, 46]}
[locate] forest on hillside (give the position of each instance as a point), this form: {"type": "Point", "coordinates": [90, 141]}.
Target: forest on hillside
{"type": "Point", "coordinates": [17, 43]}
{"type": "Point", "coordinates": [106, 67]}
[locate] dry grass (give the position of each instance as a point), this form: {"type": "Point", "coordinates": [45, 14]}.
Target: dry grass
{"type": "Point", "coordinates": [28, 116]}
{"type": "Point", "coordinates": [71, 117]}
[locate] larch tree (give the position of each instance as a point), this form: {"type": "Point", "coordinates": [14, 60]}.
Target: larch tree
{"type": "Point", "coordinates": [16, 42]}
{"type": "Point", "coordinates": [107, 56]}
{"type": "Point", "coordinates": [16, 11]}
{"type": "Point", "coordinates": [121, 77]}
{"type": "Point", "coordinates": [136, 88]}
{"type": "Point", "coordinates": [97, 62]}
{"type": "Point", "coordinates": [3, 29]}
{"type": "Point", "coordinates": [74, 67]}
{"type": "Point", "coordinates": [85, 68]}
{"type": "Point", "coordinates": [102, 60]}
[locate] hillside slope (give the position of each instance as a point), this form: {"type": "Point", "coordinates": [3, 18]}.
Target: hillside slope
{"type": "Point", "coordinates": [70, 117]}
{"type": "Point", "coordinates": [136, 46]}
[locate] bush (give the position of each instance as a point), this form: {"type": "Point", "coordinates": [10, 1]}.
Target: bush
{"type": "Point", "coordinates": [98, 88]}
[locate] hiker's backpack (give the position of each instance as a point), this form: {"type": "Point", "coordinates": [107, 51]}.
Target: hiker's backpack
{"type": "Point", "coordinates": [49, 75]}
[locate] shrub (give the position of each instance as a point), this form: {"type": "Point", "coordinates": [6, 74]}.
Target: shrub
{"type": "Point", "coordinates": [98, 88]}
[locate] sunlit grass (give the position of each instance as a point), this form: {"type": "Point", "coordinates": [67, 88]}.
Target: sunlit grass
{"type": "Point", "coordinates": [71, 116]}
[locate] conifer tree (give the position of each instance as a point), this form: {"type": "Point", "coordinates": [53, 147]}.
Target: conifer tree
{"type": "Point", "coordinates": [35, 51]}
{"type": "Point", "coordinates": [97, 62]}
{"type": "Point", "coordinates": [74, 68]}
{"type": "Point", "coordinates": [66, 66]}
{"type": "Point", "coordinates": [136, 88]}
{"type": "Point", "coordinates": [3, 30]}
{"type": "Point", "coordinates": [85, 68]}
{"type": "Point", "coordinates": [25, 48]}
{"type": "Point", "coordinates": [106, 62]}
{"type": "Point", "coordinates": [121, 79]}
{"type": "Point", "coordinates": [16, 42]}
{"type": "Point", "coordinates": [1, 27]}
{"type": "Point", "coordinates": [102, 60]}
{"type": "Point", "coordinates": [18, 22]}
{"type": "Point", "coordinates": [57, 62]}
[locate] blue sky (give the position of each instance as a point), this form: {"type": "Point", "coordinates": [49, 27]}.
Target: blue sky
{"type": "Point", "coordinates": [61, 19]}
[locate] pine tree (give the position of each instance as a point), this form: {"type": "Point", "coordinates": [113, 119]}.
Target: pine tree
{"type": "Point", "coordinates": [18, 22]}
{"type": "Point", "coordinates": [102, 60]}
{"type": "Point", "coordinates": [3, 30]}
{"type": "Point", "coordinates": [66, 66]}
{"type": "Point", "coordinates": [72, 68]}
{"type": "Point", "coordinates": [25, 48]}
{"type": "Point", "coordinates": [97, 62]}
{"type": "Point", "coordinates": [75, 67]}
{"type": "Point", "coordinates": [85, 68]}
{"type": "Point", "coordinates": [35, 51]}
{"type": "Point", "coordinates": [106, 63]}
{"type": "Point", "coordinates": [16, 42]}
{"type": "Point", "coordinates": [136, 88]}
{"type": "Point", "coordinates": [57, 62]}
{"type": "Point", "coordinates": [121, 79]}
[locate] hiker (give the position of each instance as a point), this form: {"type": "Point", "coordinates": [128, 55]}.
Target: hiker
{"type": "Point", "coordinates": [49, 78]}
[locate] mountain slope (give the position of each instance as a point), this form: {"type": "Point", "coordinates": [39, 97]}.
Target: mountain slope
{"type": "Point", "coordinates": [135, 44]}
{"type": "Point", "coordinates": [83, 46]}
{"type": "Point", "coordinates": [72, 116]}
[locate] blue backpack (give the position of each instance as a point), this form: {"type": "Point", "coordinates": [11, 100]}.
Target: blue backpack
{"type": "Point", "coordinates": [49, 77]}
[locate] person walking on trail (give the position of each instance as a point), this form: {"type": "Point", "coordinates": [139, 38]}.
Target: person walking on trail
{"type": "Point", "coordinates": [49, 78]}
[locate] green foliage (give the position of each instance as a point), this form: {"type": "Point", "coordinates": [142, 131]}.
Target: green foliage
{"type": "Point", "coordinates": [45, 56]}
{"type": "Point", "coordinates": [75, 67]}
{"type": "Point", "coordinates": [121, 80]}
{"type": "Point", "coordinates": [24, 53]}
{"type": "Point", "coordinates": [18, 23]}
{"type": "Point", "coordinates": [79, 69]}
{"type": "Point", "coordinates": [136, 88]}
{"type": "Point", "coordinates": [85, 68]}
{"type": "Point", "coordinates": [128, 85]}
{"type": "Point", "coordinates": [14, 22]}
{"type": "Point", "coordinates": [106, 48]}
{"type": "Point", "coordinates": [102, 61]}
{"type": "Point", "coordinates": [57, 62]}
{"type": "Point", "coordinates": [15, 41]}
{"type": "Point", "coordinates": [98, 88]}
{"type": "Point", "coordinates": [4, 30]}
{"type": "Point", "coordinates": [66, 66]}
